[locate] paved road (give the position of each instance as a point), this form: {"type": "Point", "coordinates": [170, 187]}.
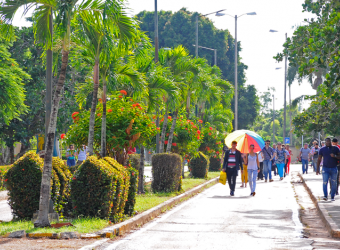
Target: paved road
{"type": "Point", "coordinates": [214, 220]}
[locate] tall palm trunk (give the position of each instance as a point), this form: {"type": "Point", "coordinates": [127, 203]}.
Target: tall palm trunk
{"type": "Point", "coordinates": [172, 130]}
{"type": "Point", "coordinates": [141, 172]}
{"type": "Point", "coordinates": [45, 191]}
{"type": "Point", "coordinates": [103, 135]}
{"type": "Point", "coordinates": [188, 105]}
{"type": "Point", "coordinates": [165, 125]}
{"type": "Point", "coordinates": [93, 106]}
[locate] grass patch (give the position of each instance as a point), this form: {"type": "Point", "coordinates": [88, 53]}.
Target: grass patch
{"type": "Point", "coordinates": [90, 225]}
{"type": "Point", "coordinates": [150, 199]}
{"type": "Point", "coordinates": [83, 225]}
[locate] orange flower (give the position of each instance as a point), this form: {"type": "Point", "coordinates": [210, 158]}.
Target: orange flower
{"type": "Point", "coordinates": [62, 136]}
{"type": "Point", "coordinates": [120, 96]}
{"type": "Point", "coordinates": [209, 133]}
{"type": "Point", "coordinates": [198, 137]}
{"type": "Point", "coordinates": [109, 110]}
{"type": "Point", "coordinates": [123, 92]}
{"type": "Point", "coordinates": [191, 123]}
{"type": "Point", "coordinates": [154, 117]}
{"type": "Point", "coordinates": [99, 114]}
{"type": "Point", "coordinates": [210, 128]}
{"type": "Point", "coordinates": [162, 119]}
{"type": "Point", "coordinates": [149, 153]}
{"type": "Point", "coordinates": [200, 121]}
{"type": "Point", "coordinates": [122, 109]}
{"type": "Point", "coordinates": [169, 117]}
{"type": "Point", "coordinates": [158, 128]}
{"type": "Point", "coordinates": [131, 100]}
{"type": "Point", "coordinates": [74, 114]}
{"type": "Point", "coordinates": [198, 132]}
{"type": "Point", "coordinates": [167, 134]}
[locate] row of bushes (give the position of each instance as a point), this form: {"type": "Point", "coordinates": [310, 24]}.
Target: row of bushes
{"type": "Point", "coordinates": [3, 171]}
{"type": "Point", "coordinates": [167, 170]}
{"type": "Point", "coordinates": [98, 188]}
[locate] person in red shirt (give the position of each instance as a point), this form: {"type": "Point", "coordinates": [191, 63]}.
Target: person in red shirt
{"type": "Point", "coordinates": [131, 150]}
{"type": "Point", "coordinates": [336, 143]}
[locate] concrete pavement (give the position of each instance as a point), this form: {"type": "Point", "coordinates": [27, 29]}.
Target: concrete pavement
{"type": "Point", "coordinates": [214, 220]}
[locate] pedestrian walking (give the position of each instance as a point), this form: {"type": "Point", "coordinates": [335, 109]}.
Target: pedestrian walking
{"type": "Point", "coordinates": [260, 174]}
{"type": "Point", "coordinates": [71, 156]}
{"type": "Point", "coordinates": [231, 165]}
{"type": "Point", "coordinates": [267, 153]}
{"type": "Point", "coordinates": [274, 168]}
{"type": "Point", "coordinates": [315, 155]}
{"type": "Point", "coordinates": [280, 155]}
{"type": "Point", "coordinates": [304, 156]}
{"type": "Point", "coordinates": [286, 161]}
{"type": "Point", "coordinates": [330, 155]}
{"type": "Point", "coordinates": [244, 176]}
{"type": "Point", "coordinates": [336, 143]}
{"type": "Point", "coordinates": [253, 164]}
{"type": "Point", "coordinates": [289, 158]}
{"type": "Point", "coordinates": [82, 154]}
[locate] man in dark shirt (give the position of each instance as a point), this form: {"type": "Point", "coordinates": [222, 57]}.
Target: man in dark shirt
{"type": "Point", "coordinates": [267, 153]}
{"type": "Point", "coordinates": [330, 155]}
{"type": "Point", "coordinates": [232, 163]}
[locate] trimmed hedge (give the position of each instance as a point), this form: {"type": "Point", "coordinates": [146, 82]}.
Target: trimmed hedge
{"type": "Point", "coordinates": [215, 164]}
{"type": "Point", "coordinates": [99, 188]}
{"type": "Point", "coordinates": [133, 172]}
{"type": "Point", "coordinates": [24, 183]}
{"type": "Point", "coordinates": [3, 171]}
{"type": "Point", "coordinates": [199, 166]}
{"type": "Point", "coordinates": [166, 172]}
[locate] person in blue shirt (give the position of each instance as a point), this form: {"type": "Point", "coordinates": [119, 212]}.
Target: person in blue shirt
{"type": "Point", "coordinates": [330, 155]}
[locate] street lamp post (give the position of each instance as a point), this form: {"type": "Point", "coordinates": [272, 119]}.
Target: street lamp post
{"type": "Point", "coordinates": [215, 52]}
{"type": "Point", "coordinates": [236, 68]}
{"type": "Point", "coordinates": [218, 13]}
{"type": "Point", "coordinates": [285, 96]}
{"type": "Point", "coordinates": [273, 119]}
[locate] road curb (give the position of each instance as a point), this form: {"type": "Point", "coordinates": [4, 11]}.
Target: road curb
{"type": "Point", "coordinates": [332, 227]}
{"type": "Point", "coordinates": [143, 218]}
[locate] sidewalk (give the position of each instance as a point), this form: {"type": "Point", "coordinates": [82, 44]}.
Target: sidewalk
{"type": "Point", "coordinates": [329, 210]}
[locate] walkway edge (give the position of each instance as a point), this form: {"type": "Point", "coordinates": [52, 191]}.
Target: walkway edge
{"type": "Point", "coordinates": [332, 227]}
{"type": "Point", "coordinates": [143, 218]}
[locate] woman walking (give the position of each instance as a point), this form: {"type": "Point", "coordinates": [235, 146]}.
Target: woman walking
{"type": "Point", "coordinates": [281, 157]}
{"type": "Point", "coordinates": [71, 156]}
{"type": "Point", "coordinates": [253, 165]}
{"type": "Point", "coordinates": [289, 158]}
{"type": "Point", "coordinates": [244, 176]}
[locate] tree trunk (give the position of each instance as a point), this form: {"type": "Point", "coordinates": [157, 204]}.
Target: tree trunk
{"type": "Point", "coordinates": [141, 172]}
{"type": "Point", "coordinates": [11, 154]}
{"type": "Point", "coordinates": [183, 164]}
{"type": "Point", "coordinates": [93, 107]}
{"type": "Point", "coordinates": [172, 130]}
{"type": "Point", "coordinates": [165, 125]}
{"type": "Point", "coordinates": [103, 135]}
{"type": "Point", "coordinates": [188, 105]}
{"type": "Point", "coordinates": [45, 191]}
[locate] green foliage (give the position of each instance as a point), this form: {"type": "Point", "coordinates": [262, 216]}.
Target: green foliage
{"type": "Point", "coordinates": [212, 144]}
{"type": "Point", "coordinates": [131, 200]}
{"type": "Point", "coordinates": [134, 161]}
{"type": "Point", "coordinates": [215, 164]}
{"type": "Point", "coordinates": [99, 189]}
{"type": "Point", "coordinates": [166, 172]}
{"type": "Point", "coordinates": [199, 166]}
{"type": "Point", "coordinates": [12, 93]}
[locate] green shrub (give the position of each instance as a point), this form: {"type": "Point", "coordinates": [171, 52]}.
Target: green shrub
{"type": "Point", "coordinates": [166, 172]}
{"type": "Point", "coordinates": [215, 164]}
{"type": "Point", "coordinates": [3, 171]}
{"type": "Point", "coordinates": [134, 160]}
{"type": "Point", "coordinates": [122, 189]}
{"type": "Point", "coordinates": [24, 183]}
{"type": "Point", "coordinates": [199, 166]}
{"type": "Point", "coordinates": [99, 188]}
{"type": "Point", "coordinates": [131, 201]}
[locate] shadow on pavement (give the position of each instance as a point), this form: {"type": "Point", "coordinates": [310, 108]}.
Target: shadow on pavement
{"type": "Point", "coordinates": [230, 197]}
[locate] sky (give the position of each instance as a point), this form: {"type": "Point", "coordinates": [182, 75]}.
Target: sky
{"type": "Point", "coordinates": [258, 44]}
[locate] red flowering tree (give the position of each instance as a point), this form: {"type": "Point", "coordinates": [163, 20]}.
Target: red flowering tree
{"type": "Point", "coordinates": [213, 141]}
{"type": "Point", "coordinates": [127, 126]}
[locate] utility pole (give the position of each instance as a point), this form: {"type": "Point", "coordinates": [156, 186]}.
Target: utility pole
{"type": "Point", "coordinates": [236, 94]}
{"type": "Point", "coordinates": [215, 57]}
{"type": "Point", "coordinates": [156, 61]}
{"type": "Point", "coordinates": [285, 104]}
{"type": "Point", "coordinates": [290, 116]}
{"type": "Point", "coordinates": [196, 47]}
{"type": "Point", "coordinates": [273, 119]}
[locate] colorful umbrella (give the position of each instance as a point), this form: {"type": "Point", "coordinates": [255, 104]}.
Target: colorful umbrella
{"type": "Point", "coordinates": [245, 138]}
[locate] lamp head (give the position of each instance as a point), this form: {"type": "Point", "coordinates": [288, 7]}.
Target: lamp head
{"type": "Point", "coordinates": [278, 68]}
{"type": "Point", "coordinates": [273, 31]}
{"type": "Point", "coordinates": [251, 13]}
{"type": "Point", "coordinates": [219, 14]}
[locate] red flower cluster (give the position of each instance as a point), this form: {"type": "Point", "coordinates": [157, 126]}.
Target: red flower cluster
{"type": "Point", "coordinates": [99, 114]}
{"type": "Point", "coordinates": [154, 117]}
{"type": "Point", "coordinates": [198, 132]}
{"type": "Point", "coordinates": [174, 144]}
{"type": "Point", "coordinates": [62, 136]}
{"type": "Point", "coordinates": [210, 128]}
{"type": "Point", "coordinates": [123, 92]}
{"type": "Point", "coordinates": [74, 178]}
{"type": "Point", "coordinates": [169, 117]}
{"type": "Point", "coordinates": [209, 133]}
{"type": "Point", "coordinates": [109, 110]}
{"type": "Point", "coordinates": [200, 121]}
{"type": "Point", "coordinates": [120, 96]}
{"type": "Point", "coordinates": [165, 142]}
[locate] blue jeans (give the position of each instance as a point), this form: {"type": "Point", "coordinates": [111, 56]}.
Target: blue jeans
{"type": "Point", "coordinates": [314, 163]}
{"type": "Point", "coordinates": [252, 176]}
{"type": "Point", "coordinates": [304, 166]}
{"type": "Point", "coordinates": [329, 173]}
{"type": "Point", "coordinates": [71, 162]}
{"type": "Point", "coordinates": [280, 167]}
{"type": "Point", "coordinates": [267, 169]}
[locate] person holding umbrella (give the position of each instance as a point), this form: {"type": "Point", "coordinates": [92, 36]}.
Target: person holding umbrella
{"type": "Point", "coordinates": [231, 165]}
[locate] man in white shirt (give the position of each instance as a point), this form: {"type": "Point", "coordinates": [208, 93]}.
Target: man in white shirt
{"type": "Point", "coordinates": [82, 154]}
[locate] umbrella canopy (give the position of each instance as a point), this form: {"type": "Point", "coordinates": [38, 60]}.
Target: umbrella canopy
{"type": "Point", "coordinates": [245, 138]}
